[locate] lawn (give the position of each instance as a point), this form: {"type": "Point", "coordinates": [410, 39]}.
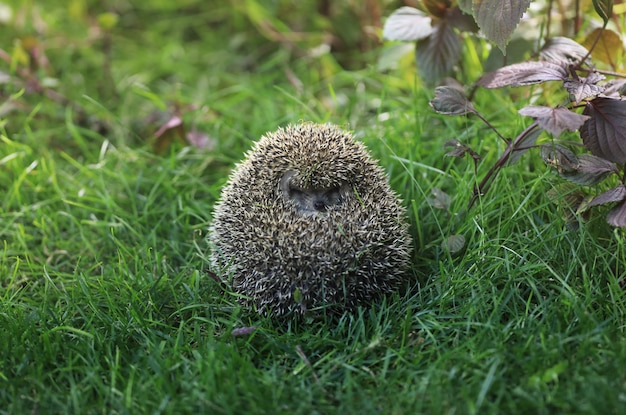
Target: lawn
{"type": "Point", "coordinates": [106, 305]}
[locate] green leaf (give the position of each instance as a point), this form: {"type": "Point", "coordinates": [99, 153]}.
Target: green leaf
{"type": "Point", "coordinates": [607, 46]}
{"type": "Point", "coordinates": [552, 374]}
{"type": "Point", "coordinates": [604, 8]}
{"type": "Point", "coordinates": [107, 20]}
{"type": "Point", "coordinates": [297, 296]}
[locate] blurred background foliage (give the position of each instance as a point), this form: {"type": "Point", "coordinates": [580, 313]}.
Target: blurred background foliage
{"type": "Point", "coordinates": [105, 64]}
{"type": "Point", "coordinates": [160, 72]}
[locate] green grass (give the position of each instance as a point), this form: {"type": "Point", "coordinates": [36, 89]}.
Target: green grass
{"type": "Point", "coordinates": [105, 304]}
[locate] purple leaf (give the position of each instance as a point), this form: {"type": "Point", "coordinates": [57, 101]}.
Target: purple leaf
{"type": "Point", "coordinates": [438, 53]}
{"type": "Point", "coordinates": [563, 50]}
{"type": "Point", "coordinates": [554, 120]}
{"type": "Point", "coordinates": [560, 157]}
{"type": "Point", "coordinates": [524, 141]}
{"type": "Point", "coordinates": [604, 134]}
{"type": "Point", "coordinates": [594, 77]}
{"type": "Point", "coordinates": [440, 199]}
{"type": "Point", "coordinates": [408, 24]}
{"type": "Point", "coordinates": [590, 170]}
{"type": "Point", "coordinates": [499, 18]}
{"type": "Point", "coordinates": [243, 331]}
{"type": "Point", "coordinates": [213, 276]}
{"type": "Point", "coordinates": [200, 140]}
{"type": "Point", "coordinates": [174, 121]}
{"type": "Point", "coordinates": [454, 243]}
{"type": "Point", "coordinates": [617, 194]}
{"type": "Point", "coordinates": [459, 150]}
{"type": "Point", "coordinates": [617, 215]}
{"type": "Point", "coordinates": [525, 73]}
{"type": "Point", "coordinates": [615, 88]}
{"type": "Point", "coordinates": [582, 88]}
{"type": "Point", "coordinates": [464, 22]}
{"type": "Point", "coordinates": [450, 101]}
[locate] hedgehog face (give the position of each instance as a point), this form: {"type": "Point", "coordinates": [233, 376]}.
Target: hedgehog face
{"type": "Point", "coordinates": [307, 221]}
{"type": "Point", "coordinates": [310, 200]}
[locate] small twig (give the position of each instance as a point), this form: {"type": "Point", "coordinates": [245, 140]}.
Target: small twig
{"type": "Point", "coordinates": [610, 73]}
{"type": "Point", "coordinates": [307, 362]}
{"type": "Point", "coordinates": [483, 119]}
{"type": "Point", "coordinates": [318, 382]}
{"type": "Point", "coordinates": [595, 42]}
{"type": "Point", "coordinates": [483, 187]}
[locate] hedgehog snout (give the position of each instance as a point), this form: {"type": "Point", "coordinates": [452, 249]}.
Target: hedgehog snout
{"type": "Point", "coordinates": [315, 200]}
{"type": "Point", "coordinates": [308, 200]}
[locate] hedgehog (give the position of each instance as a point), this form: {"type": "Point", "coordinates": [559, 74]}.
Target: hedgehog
{"type": "Point", "coordinates": [308, 221]}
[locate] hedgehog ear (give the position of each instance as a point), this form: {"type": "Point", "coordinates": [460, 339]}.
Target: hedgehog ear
{"type": "Point", "coordinates": [285, 182]}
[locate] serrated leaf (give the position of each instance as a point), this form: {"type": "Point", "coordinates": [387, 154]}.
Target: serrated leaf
{"type": "Point", "coordinates": [499, 18]}
{"type": "Point", "coordinates": [563, 50]}
{"type": "Point", "coordinates": [560, 157]}
{"type": "Point", "coordinates": [449, 100]}
{"type": "Point", "coordinates": [615, 88]}
{"type": "Point", "coordinates": [590, 170]}
{"type": "Point", "coordinates": [554, 120]}
{"type": "Point", "coordinates": [617, 194]}
{"type": "Point", "coordinates": [438, 53]}
{"type": "Point", "coordinates": [465, 6]}
{"type": "Point", "coordinates": [583, 88]}
{"type": "Point", "coordinates": [407, 24]}
{"type": "Point", "coordinates": [604, 133]}
{"type": "Point", "coordinates": [617, 216]}
{"type": "Point", "coordinates": [454, 243]}
{"type": "Point", "coordinates": [604, 8]}
{"type": "Point", "coordinates": [608, 49]}
{"type": "Point", "coordinates": [525, 73]}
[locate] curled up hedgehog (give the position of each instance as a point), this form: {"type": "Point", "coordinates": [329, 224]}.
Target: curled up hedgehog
{"type": "Point", "coordinates": [306, 221]}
